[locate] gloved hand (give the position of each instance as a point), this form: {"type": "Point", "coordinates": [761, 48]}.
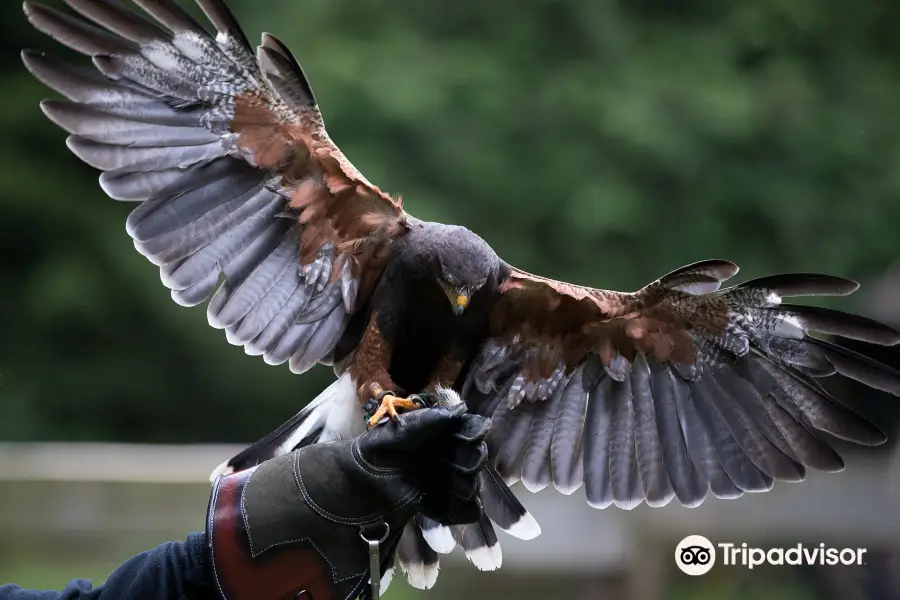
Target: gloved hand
{"type": "Point", "coordinates": [296, 526]}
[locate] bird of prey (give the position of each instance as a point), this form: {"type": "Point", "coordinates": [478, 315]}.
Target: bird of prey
{"type": "Point", "coordinates": [678, 390]}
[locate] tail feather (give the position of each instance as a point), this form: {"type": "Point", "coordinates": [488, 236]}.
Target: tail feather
{"type": "Point", "coordinates": [504, 509]}
{"type": "Point", "coordinates": [332, 415]}
{"type": "Point", "coordinates": [438, 536]}
{"type": "Point", "coordinates": [416, 558]}
{"type": "Point", "coordinates": [479, 541]}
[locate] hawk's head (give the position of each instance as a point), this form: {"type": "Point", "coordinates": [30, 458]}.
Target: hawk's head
{"type": "Point", "coordinates": [465, 263]}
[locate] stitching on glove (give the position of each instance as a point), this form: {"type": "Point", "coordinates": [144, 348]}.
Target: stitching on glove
{"type": "Point", "coordinates": [244, 517]}
{"type": "Point", "coordinates": [357, 589]}
{"type": "Point", "coordinates": [298, 477]}
{"type": "Point", "coordinates": [255, 554]}
{"type": "Point", "coordinates": [212, 547]}
{"type": "Point", "coordinates": [334, 573]}
{"type": "Point", "coordinates": [382, 472]}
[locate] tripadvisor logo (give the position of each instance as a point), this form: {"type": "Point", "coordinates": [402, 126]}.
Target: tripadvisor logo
{"type": "Point", "coordinates": [696, 555]}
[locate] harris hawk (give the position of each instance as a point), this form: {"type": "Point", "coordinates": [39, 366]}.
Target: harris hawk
{"type": "Point", "coordinates": [679, 389]}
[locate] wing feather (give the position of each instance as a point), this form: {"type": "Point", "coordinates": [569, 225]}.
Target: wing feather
{"type": "Point", "coordinates": [243, 195]}
{"type": "Point", "coordinates": [648, 447]}
{"type": "Point", "coordinates": [536, 463]}
{"type": "Point", "coordinates": [674, 390]}
{"type": "Point", "coordinates": [597, 436]}
{"type": "Point", "coordinates": [565, 447]}
{"type": "Point", "coordinates": [688, 483]}
{"type": "Point", "coordinates": [624, 479]}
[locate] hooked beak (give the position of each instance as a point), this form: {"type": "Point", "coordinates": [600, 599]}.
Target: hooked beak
{"type": "Point", "coordinates": [460, 304]}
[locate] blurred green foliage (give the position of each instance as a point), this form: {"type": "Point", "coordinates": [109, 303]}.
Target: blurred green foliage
{"type": "Point", "coordinates": [590, 140]}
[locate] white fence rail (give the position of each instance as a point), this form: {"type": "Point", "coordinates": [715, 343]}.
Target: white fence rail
{"type": "Point", "coordinates": [159, 491]}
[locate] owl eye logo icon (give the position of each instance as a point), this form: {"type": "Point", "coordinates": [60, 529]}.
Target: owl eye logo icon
{"type": "Point", "coordinates": [695, 555]}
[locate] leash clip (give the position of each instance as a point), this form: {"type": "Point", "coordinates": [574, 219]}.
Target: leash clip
{"type": "Point", "coordinates": [374, 547]}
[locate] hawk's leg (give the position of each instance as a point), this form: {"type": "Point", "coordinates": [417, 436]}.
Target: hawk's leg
{"type": "Point", "coordinates": [385, 403]}
{"type": "Point", "coordinates": [370, 370]}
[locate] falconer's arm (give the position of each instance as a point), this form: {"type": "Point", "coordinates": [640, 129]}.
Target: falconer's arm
{"type": "Point", "coordinates": [172, 570]}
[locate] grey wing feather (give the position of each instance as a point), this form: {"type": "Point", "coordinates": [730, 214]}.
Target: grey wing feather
{"type": "Point", "coordinates": [760, 442]}
{"type": "Point", "coordinates": [651, 463]}
{"type": "Point", "coordinates": [518, 428]}
{"type": "Point", "coordinates": [624, 480]}
{"type": "Point", "coordinates": [326, 336]}
{"type": "Point", "coordinates": [596, 446]}
{"type": "Point", "coordinates": [133, 158]}
{"type": "Point", "coordinates": [748, 411]}
{"type": "Point", "coordinates": [285, 72]}
{"type": "Point", "coordinates": [170, 14]}
{"type": "Point", "coordinates": [566, 443]}
{"type": "Point", "coordinates": [284, 319]}
{"type": "Point", "coordinates": [536, 462]}
{"type": "Point", "coordinates": [739, 468]}
{"type": "Point", "coordinates": [700, 447]}
{"type": "Point", "coordinates": [153, 113]}
{"type": "Point", "coordinates": [688, 483]}
{"type": "Point", "coordinates": [74, 33]}
{"type": "Point", "coordinates": [247, 294]}
{"type": "Point", "coordinates": [138, 186]}
{"type": "Point", "coordinates": [268, 307]}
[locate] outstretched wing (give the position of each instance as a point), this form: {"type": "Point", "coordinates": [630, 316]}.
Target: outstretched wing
{"type": "Point", "coordinates": [227, 153]}
{"type": "Point", "coordinates": [671, 391]}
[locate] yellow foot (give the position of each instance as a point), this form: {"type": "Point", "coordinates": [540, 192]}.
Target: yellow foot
{"type": "Point", "coordinates": [389, 404]}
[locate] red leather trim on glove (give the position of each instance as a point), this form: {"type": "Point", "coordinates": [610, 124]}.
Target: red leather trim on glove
{"type": "Point", "coordinates": [292, 571]}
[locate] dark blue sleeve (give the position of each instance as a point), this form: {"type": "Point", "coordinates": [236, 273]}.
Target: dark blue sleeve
{"type": "Point", "coordinates": [172, 571]}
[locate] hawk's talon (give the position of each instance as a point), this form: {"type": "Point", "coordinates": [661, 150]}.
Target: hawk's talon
{"type": "Point", "coordinates": [388, 404]}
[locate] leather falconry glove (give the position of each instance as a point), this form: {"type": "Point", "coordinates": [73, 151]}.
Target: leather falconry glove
{"type": "Point", "coordinates": [315, 523]}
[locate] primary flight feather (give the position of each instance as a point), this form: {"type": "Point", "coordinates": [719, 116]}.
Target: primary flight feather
{"type": "Point", "coordinates": [674, 391]}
